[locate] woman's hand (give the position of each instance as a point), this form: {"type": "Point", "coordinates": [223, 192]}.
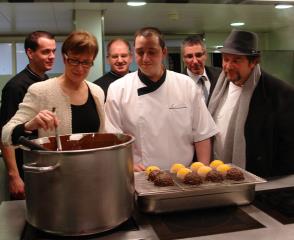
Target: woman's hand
{"type": "Point", "coordinates": [45, 119]}
{"type": "Point", "coordinates": [16, 188]}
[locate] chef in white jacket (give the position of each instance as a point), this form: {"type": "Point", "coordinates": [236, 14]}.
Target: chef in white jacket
{"type": "Point", "coordinates": [163, 109]}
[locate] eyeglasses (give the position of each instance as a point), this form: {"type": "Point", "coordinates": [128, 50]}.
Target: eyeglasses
{"type": "Point", "coordinates": [75, 62]}
{"type": "Point", "coordinates": [197, 55]}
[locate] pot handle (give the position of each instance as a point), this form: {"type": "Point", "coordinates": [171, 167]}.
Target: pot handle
{"type": "Point", "coordinates": [31, 145]}
{"type": "Point", "coordinates": [31, 167]}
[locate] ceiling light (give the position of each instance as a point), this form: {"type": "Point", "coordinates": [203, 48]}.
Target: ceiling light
{"type": "Point", "coordinates": [136, 4]}
{"type": "Point", "coordinates": [237, 24]}
{"type": "Point", "coordinates": [283, 6]}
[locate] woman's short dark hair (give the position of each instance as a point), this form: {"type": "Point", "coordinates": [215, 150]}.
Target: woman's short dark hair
{"type": "Point", "coordinates": [80, 42]}
{"type": "Point", "coordinates": [150, 31]}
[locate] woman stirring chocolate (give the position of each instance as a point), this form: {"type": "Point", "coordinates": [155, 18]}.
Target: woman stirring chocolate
{"type": "Point", "coordinates": [78, 103]}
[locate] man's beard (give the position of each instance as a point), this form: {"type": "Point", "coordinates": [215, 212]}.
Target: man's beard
{"type": "Point", "coordinates": [237, 79]}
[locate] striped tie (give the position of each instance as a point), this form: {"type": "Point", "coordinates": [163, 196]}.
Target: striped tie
{"type": "Point", "coordinates": [204, 89]}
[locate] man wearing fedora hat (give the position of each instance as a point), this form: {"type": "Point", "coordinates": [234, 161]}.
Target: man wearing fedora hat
{"type": "Point", "coordinates": [253, 111]}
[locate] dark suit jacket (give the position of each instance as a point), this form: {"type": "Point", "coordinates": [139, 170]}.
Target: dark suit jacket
{"type": "Point", "coordinates": [213, 74]}
{"type": "Point", "coordinates": [269, 128]}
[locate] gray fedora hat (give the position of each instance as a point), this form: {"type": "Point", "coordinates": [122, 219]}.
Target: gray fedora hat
{"type": "Point", "coordinates": [241, 43]}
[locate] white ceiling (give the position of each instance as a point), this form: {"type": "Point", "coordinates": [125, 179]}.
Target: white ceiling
{"type": "Point", "coordinates": [120, 19]}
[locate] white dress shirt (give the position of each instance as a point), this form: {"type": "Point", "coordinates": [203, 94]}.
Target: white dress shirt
{"type": "Point", "coordinates": [223, 117]}
{"type": "Point", "coordinates": [196, 79]}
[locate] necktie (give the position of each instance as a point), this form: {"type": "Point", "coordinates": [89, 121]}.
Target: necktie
{"type": "Point", "coordinates": [204, 89]}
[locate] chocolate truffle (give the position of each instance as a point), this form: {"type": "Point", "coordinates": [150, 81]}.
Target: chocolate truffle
{"type": "Point", "coordinates": [192, 178]}
{"type": "Point", "coordinates": [235, 174]}
{"type": "Point", "coordinates": [214, 176]}
{"type": "Point", "coordinates": [215, 163]}
{"type": "Point", "coordinates": [149, 169]}
{"type": "Point", "coordinates": [223, 168]}
{"type": "Point", "coordinates": [195, 166]}
{"type": "Point", "coordinates": [176, 167]}
{"type": "Point", "coordinates": [183, 172]}
{"type": "Point", "coordinates": [163, 179]}
{"type": "Point", "coordinates": [203, 171]}
{"type": "Point", "coordinates": [152, 175]}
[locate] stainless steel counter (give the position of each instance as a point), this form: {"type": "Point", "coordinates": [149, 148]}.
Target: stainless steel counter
{"type": "Point", "coordinates": [12, 221]}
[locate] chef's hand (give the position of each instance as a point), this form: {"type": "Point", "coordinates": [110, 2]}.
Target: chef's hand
{"type": "Point", "coordinates": [44, 119]}
{"type": "Point", "coordinates": [139, 167]}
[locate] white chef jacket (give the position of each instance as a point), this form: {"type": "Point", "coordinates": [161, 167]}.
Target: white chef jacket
{"type": "Point", "coordinates": [165, 122]}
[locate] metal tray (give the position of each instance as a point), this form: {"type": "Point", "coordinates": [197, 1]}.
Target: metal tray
{"type": "Point", "coordinates": [154, 199]}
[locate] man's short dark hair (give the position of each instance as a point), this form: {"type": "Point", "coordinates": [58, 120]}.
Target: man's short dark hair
{"type": "Point", "coordinates": [31, 40]}
{"type": "Point", "coordinates": [118, 40]}
{"type": "Point", "coordinates": [193, 40]}
{"type": "Point", "coordinates": [149, 31]}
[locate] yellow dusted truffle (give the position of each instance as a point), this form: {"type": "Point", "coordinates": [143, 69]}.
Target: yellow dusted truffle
{"type": "Point", "coordinates": [182, 172]}
{"type": "Point", "coordinates": [195, 166]}
{"type": "Point", "coordinates": [175, 167]}
{"type": "Point", "coordinates": [223, 168]}
{"type": "Point", "coordinates": [149, 169]}
{"type": "Point", "coordinates": [202, 171]}
{"type": "Point", "coordinates": [215, 163]}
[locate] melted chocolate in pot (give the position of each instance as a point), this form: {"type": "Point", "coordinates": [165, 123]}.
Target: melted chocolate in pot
{"type": "Point", "coordinates": [87, 141]}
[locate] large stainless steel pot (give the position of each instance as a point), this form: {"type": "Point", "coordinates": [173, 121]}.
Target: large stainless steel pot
{"type": "Point", "coordinates": [86, 188]}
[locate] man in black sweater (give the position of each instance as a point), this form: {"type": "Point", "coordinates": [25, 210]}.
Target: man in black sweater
{"type": "Point", "coordinates": [40, 48]}
{"type": "Point", "coordinates": [119, 57]}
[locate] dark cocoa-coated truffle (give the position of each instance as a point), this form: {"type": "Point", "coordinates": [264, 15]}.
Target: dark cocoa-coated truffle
{"type": "Point", "coordinates": [152, 175]}
{"type": "Point", "coordinates": [163, 179]}
{"type": "Point", "coordinates": [235, 174]}
{"type": "Point", "coordinates": [214, 176]}
{"type": "Point", "coordinates": [192, 178]}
